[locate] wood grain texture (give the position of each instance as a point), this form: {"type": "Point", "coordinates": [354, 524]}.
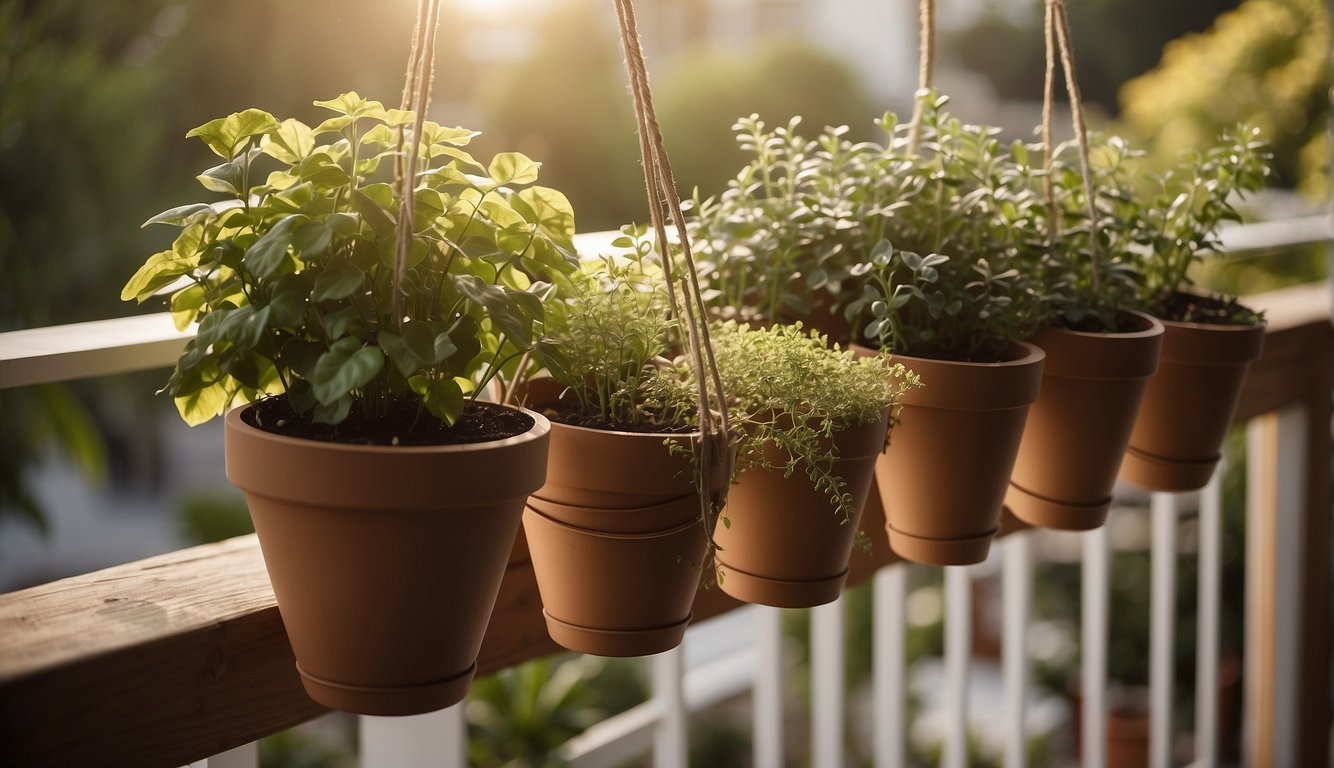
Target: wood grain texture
{"type": "Point", "coordinates": [171, 659]}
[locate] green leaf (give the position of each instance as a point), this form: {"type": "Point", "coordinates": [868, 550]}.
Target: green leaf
{"type": "Point", "coordinates": [288, 300]}
{"type": "Point", "coordinates": [321, 168]}
{"type": "Point", "coordinates": [291, 143]}
{"type": "Point", "coordinates": [513, 168]}
{"type": "Point", "coordinates": [225, 134]}
{"type": "Point", "coordinates": [203, 404]}
{"type": "Point", "coordinates": [551, 210]}
{"type": "Point", "coordinates": [346, 366]}
{"type": "Point", "coordinates": [312, 238]}
{"type": "Point", "coordinates": [267, 254]}
{"type": "Point", "coordinates": [434, 133]}
{"type": "Point", "coordinates": [182, 215]}
{"type": "Point", "coordinates": [332, 413]}
{"type": "Point", "coordinates": [185, 305]}
{"type": "Point", "coordinates": [161, 269]}
{"type": "Point", "coordinates": [412, 351]}
{"type": "Point", "coordinates": [442, 398]}
{"type": "Point", "coordinates": [224, 178]}
{"type": "Point", "coordinates": [374, 215]}
{"type": "Point", "coordinates": [338, 281]}
{"type": "Point", "coordinates": [350, 103]}
{"type": "Point", "coordinates": [333, 125]}
{"type": "Point", "coordinates": [246, 326]}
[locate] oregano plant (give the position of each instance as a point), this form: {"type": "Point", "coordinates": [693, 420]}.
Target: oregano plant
{"type": "Point", "coordinates": [291, 276]}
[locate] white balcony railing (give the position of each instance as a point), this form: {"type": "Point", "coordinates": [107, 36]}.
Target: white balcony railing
{"type": "Point", "coordinates": [176, 658]}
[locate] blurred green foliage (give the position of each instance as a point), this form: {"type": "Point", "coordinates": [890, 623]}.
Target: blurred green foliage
{"type": "Point", "coordinates": [703, 95]}
{"type": "Point", "coordinates": [208, 516]}
{"type": "Point", "coordinates": [1114, 40]}
{"type": "Point", "coordinates": [1265, 63]}
{"type": "Point", "coordinates": [521, 715]}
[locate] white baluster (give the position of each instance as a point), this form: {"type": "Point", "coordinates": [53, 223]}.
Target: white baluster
{"type": "Point", "coordinates": [1093, 631]}
{"type": "Point", "coordinates": [1162, 626]}
{"type": "Point", "coordinates": [958, 658]}
{"type": "Point", "coordinates": [671, 744]}
{"type": "Point", "coordinates": [828, 665]}
{"type": "Point", "coordinates": [436, 739]}
{"type": "Point", "coordinates": [767, 698]}
{"type": "Point", "coordinates": [1018, 598]}
{"type": "Point", "coordinates": [891, 684]}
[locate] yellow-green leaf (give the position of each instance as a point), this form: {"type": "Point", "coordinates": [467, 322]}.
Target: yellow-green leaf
{"type": "Point", "coordinates": [513, 168]}
{"type": "Point", "coordinates": [290, 143]}
{"type": "Point", "coordinates": [226, 135]}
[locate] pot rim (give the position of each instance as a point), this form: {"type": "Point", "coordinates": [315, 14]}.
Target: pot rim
{"type": "Point", "coordinates": [1155, 327]}
{"type": "Point", "coordinates": [541, 426]}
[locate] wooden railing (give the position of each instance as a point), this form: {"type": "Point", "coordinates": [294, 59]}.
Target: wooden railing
{"type": "Point", "coordinates": [174, 658]}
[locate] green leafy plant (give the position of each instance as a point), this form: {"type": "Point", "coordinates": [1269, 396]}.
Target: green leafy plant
{"type": "Point", "coordinates": [608, 341]}
{"type": "Point", "coordinates": [787, 387]}
{"type": "Point", "coordinates": [1086, 286]}
{"type": "Point", "coordinates": [945, 271]}
{"type": "Point", "coordinates": [1179, 223]}
{"type": "Point", "coordinates": [779, 242]}
{"type": "Point", "coordinates": [292, 278]}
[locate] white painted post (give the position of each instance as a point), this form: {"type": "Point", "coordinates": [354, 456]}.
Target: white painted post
{"type": "Point", "coordinates": [958, 658]}
{"type": "Point", "coordinates": [888, 658]}
{"type": "Point", "coordinates": [244, 756]}
{"type": "Point", "coordinates": [436, 739]}
{"type": "Point", "coordinates": [1162, 626]}
{"type": "Point", "coordinates": [767, 697]}
{"type": "Point", "coordinates": [1093, 630]}
{"type": "Point", "coordinates": [1206, 640]}
{"type": "Point", "coordinates": [1017, 586]}
{"type": "Point", "coordinates": [828, 665]}
{"type": "Point", "coordinates": [671, 743]}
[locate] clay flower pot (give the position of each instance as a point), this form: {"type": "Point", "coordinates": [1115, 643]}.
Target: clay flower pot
{"type": "Point", "coordinates": [785, 546]}
{"type": "Point", "coordinates": [944, 476]}
{"type": "Point", "coordinates": [1077, 430]}
{"type": "Point", "coordinates": [616, 537]}
{"type": "Point", "coordinates": [385, 561]}
{"type": "Point", "coordinates": [1189, 403]}
{"type": "Point", "coordinates": [616, 540]}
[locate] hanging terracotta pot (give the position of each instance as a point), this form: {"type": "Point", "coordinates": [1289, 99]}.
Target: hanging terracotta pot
{"type": "Point", "coordinates": [944, 476]}
{"type": "Point", "coordinates": [616, 537]}
{"type": "Point", "coordinates": [1077, 431]}
{"type": "Point", "coordinates": [784, 545]}
{"type": "Point", "coordinates": [1189, 403]}
{"type": "Point", "coordinates": [385, 561]}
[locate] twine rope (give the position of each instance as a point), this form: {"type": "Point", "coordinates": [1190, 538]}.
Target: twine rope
{"type": "Point", "coordinates": [417, 82]}
{"type": "Point", "coordinates": [1057, 26]}
{"type": "Point", "coordinates": [926, 65]}
{"type": "Point", "coordinates": [664, 201]}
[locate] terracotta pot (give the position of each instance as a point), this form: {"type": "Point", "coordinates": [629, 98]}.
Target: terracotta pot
{"type": "Point", "coordinates": [385, 561]}
{"type": "Point", "coordinates": [1188, 405]}
{"type": "Point", "coordinates": [785, 546]}
{"type": "Point", "coordinates": [1077, 431]}
{"type": "Point", "coordinates": [616, 537]}
{"type": "Point", "coordinates": [944, 476]}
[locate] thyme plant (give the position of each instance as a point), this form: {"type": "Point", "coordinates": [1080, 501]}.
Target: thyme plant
{"type": "Point", "coordinates": [607, 342]}
{"type": "Point", "coordinates": [291, 277]}
{"type": "Point", "coordinates": [780, 241]}
{"type": "Point", "coordinates": [944, 269]}
{"type": "Point", "coordinates": [789, 388]}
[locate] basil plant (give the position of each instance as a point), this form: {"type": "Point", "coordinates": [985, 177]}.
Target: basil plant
{"type": "Point", "coordinates": [291, 278]}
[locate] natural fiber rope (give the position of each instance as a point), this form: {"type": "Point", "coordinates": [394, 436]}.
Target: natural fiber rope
{"type": "Point", "coordinates": [1048, 97]}
{"type": "Point", "coordinates": [1058, 21]}
{"type": "Point", "coordinates": [417, 82]}
{"type": "Point", "coordinates": [660, 186]}
{"type": "Point", "coordinates": [925, 67]}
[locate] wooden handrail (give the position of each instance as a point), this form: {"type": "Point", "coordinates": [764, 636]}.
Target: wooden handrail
{"type": "Point", "coordinates": [174, 658]}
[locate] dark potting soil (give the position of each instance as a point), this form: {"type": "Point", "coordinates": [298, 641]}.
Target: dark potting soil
{"type": "Point", "coordinates": [569, 413]}
{"type": "Point", "coordinates": [1208, 310]}
{"type": "Point", "coordinates": [1124, 324]}
{"type": "Point", "coordinates": [405, 423]}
